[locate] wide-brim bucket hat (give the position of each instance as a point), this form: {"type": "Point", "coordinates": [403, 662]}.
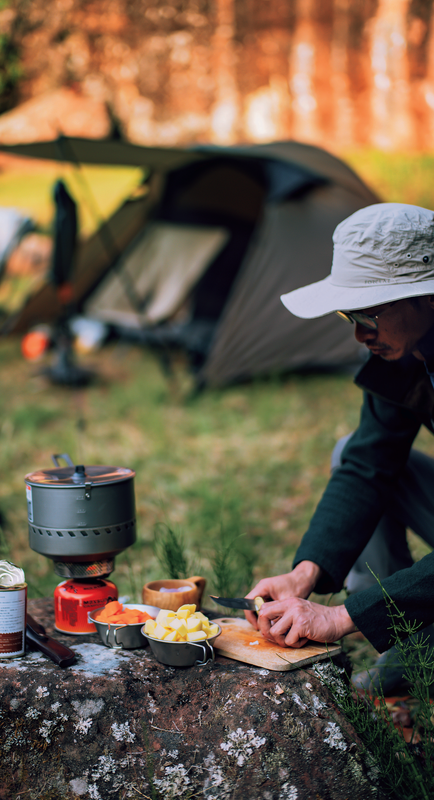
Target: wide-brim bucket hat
{"type": "Point", "coordinates": [381, 253]}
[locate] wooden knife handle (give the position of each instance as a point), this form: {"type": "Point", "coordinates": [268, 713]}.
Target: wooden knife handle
{"type": "Point", "coordinates": [59, 653]}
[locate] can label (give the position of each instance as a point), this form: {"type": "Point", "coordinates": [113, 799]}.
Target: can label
{"type": "Point", "coordinates": [29, 503]}
{"type": "Point", "coordinates": [12, 622]}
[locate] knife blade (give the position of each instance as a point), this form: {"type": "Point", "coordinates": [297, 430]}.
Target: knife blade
{"type": "Point", "coordinates": [239, 602]}
{"type": "Point", "coordinates": [58, 652]}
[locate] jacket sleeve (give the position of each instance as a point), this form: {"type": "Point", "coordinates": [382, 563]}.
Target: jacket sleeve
{"type": "Point", "coordinates": [412, 591]}
{"type": "Point", "coordinates": [355, 497]}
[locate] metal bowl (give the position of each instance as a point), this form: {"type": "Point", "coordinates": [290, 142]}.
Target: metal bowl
{"type": "Point", "coordinates": [124, 637]}
{"type": "Point", "coordinates": [183, 654]}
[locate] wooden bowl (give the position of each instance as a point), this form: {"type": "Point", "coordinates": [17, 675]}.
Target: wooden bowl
{"type": "Point", "coordinates": [173, 600]}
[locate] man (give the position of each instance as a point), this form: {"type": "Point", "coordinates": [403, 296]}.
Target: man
{"type": "Point", "coordinates": [382, 280]}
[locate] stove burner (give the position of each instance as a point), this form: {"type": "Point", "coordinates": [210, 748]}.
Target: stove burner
{"type": "Point", "coordinates": [84, 569]}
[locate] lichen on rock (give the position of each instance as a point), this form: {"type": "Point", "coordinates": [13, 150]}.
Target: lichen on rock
{"type": "Point", "coordinates": [136, 728]}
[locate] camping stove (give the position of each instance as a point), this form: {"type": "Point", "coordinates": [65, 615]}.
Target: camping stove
{"type": "Point", "coordinates": [81, 517]}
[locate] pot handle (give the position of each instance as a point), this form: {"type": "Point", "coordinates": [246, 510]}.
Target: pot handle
{"type": "Point", "coordinates": [208, 653]}
{"type": "Point", "coordinates": [200, 583]}
{"type": "Point", "coordinates": [65, 457]}
{"type": "Point", "coordinates": [112, 638]}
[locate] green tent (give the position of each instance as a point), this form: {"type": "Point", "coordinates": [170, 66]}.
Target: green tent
{"type": "Point", "coordinates": [200, 259]}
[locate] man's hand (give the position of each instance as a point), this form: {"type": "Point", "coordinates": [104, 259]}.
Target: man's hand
{"type": "Point", "coordinates": [298, 583]}
{"type": "Point", "coordinates": [292, 621]}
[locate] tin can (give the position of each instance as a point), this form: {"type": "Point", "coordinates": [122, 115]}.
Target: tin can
{"type": "Point", "coordinates": [13, 609]}
{"type": "Point", "coordinates": [75, 601]}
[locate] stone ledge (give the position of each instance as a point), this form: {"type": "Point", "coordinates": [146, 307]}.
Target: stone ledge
{"type": "Point", "coordinates": [121, 725]}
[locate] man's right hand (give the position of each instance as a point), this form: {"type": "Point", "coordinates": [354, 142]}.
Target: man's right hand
{"type": "Point", "coordinates": [298, 583]}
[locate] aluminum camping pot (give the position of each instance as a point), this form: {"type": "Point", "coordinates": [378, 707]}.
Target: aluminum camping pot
{"type": "Point", "coordinates": [81, 516]}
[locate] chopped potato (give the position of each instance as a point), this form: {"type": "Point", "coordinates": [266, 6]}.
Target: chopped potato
{"type": "Point", "coordinates": [213, 630]}
{"type": "Point", "coordinates": [160, 632]}
{"type": "Point", "coordinates": [150, 626]}
{"type": "Point", "coordinates": [196, 636]}
{"type": "Point", "coordinates": [259, 602]}
{"type": "Point", "coordinates": [179, 625]}
{"type": "Point", "coordinates": [165, 614]}
{"type": "Point", "coordinates": [187, 625]}
{"type": "Point", "coordinates": [194, 624]}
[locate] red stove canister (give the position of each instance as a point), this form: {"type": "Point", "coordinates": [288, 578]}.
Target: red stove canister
{"type": "Point", "coordinates": [13, 608]}
{"type": "Point", "coordinates": [75, 600]}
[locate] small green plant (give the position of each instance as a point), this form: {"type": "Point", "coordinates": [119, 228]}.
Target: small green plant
{"type": "Point", "coordinates": [406, 770]}
{"type": "Point", "coordinates": [232, 563]}
{"type": "Point", "coordinates": [169, 548]}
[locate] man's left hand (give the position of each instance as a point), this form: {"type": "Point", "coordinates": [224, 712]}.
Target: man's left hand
{"type": "Point", "coordinates": [292, 621]}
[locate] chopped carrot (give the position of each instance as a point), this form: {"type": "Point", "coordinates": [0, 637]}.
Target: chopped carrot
{"type": "Point", "coordinates": [115, 613]}
{"type": "Point", "coordinates": [113, 607]}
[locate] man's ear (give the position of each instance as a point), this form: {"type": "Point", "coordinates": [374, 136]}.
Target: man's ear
{"type": "Point", "coordinates": [431, 300]}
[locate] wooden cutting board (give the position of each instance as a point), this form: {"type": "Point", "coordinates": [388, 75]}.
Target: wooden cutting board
{"type": "Point", "coordinates": [237, 641]}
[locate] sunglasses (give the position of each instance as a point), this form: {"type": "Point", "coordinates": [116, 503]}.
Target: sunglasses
{"type": "Point", "coordinates": [363, 319]}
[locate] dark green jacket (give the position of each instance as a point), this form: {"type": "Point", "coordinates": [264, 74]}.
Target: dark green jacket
{"type": "Point", "coordinates": [398, 399]}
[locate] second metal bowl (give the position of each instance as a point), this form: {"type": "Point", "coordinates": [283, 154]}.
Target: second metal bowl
{"type": "Point", "coordinates": [183, 654]}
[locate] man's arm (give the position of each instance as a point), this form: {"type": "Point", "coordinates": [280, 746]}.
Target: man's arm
{"type": "Point", "coordinates": [412, 591]}
{"type": "Point", "coordinates": [341, 527]}
{"type": "Point", "coordinates": [356, 495]}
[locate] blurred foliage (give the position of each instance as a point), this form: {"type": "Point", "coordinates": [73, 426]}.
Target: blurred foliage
{"type": "Point", "coordinates": [98, 190]}
{"type": "Point", "coordinates": [396, 177]}
{"type": "Point", "coordinates": [10, 68]}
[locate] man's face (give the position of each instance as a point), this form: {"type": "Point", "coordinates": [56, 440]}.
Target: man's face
{"type": "Point", "coordinates": [400, 327]}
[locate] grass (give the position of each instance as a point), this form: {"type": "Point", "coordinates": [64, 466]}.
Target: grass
{"type": "Point", "coordinates": [396, 177]}
{"type": "Point", "coordinates": [30, 190]}
{"type": "Point", "coordinates": [402, 755]}
{"type": "Point", "coordinates": [251, 461]}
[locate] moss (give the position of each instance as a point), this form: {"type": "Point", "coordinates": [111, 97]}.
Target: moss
{"type": "Point", "coordinates": [274, 760]}
{"type": "Point", "coordinates": [296, 729]}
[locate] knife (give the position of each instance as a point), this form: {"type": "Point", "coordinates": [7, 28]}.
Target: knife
{"type": "Point", "coordinates": [59, 653]}
{"type": "Point", "coordinates": [239, 602]}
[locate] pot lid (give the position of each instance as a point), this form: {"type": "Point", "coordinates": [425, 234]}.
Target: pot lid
{"type": "Point", "coordinates": [69, 477]}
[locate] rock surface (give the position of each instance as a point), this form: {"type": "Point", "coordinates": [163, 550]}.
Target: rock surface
{"type": "Point", "coordinates": [121, 725]}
